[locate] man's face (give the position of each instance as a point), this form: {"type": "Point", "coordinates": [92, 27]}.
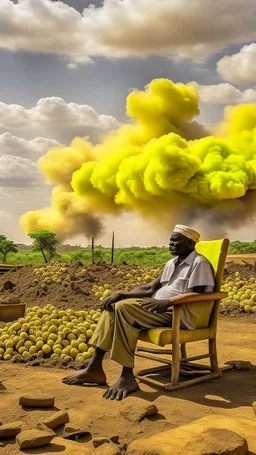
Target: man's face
{"type": "Point", "coordinates": [179, 244]}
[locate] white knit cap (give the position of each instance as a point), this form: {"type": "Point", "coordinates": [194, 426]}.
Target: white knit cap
{"type": "Point", "coordinates": [187, 231]}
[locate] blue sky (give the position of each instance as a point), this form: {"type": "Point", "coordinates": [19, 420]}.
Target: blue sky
{"type": "Point", "coordinates": [95, 58]}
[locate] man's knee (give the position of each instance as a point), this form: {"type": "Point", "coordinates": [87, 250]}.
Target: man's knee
{"type": "Point", "coordinates": [124, 305]}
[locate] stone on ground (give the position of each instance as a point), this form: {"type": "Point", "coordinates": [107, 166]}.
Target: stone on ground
{"type": "Point", "coordinates": [107, 449]}
{"type": "Point", "coordinates": [135, 409]}
{"type": "Point", "coordinates": [34, 438]}
{"type": "Point", "coordinates": [56, 420]}
{"type": "Point", "coordinates": [36, 401]}
{"type": "Point", "coordinates": [173, 442]}
{"type": "Point", "coordinates": [11, 430]}
{"type": "Point", "coordinates": [216, 441]}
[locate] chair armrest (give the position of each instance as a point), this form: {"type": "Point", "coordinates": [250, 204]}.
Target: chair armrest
{"type": "Point", "coordinates": [194, 297]}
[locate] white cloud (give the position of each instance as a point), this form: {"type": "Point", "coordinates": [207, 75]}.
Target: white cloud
{"type": "Point", "coordinates": [55, 113]}
{"type": "Point", "coordinates": [123, 28]}
{"type": "Point", "coordinates": [240, 67]}
{"type": "Point", "coordinates": [18, 172]}
{"type": "Point", "coordinates": [31, 149]}
{"type": "Point", "coordinates": [225, 93]}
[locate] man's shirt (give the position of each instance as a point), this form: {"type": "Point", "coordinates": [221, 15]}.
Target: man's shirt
{"type": "Point", "coordinates": [194, 271]}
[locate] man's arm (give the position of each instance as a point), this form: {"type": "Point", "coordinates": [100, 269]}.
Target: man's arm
{"type": "Point", "coordinates": [145, 290]}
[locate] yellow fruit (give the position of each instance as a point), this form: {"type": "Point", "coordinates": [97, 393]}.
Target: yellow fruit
{"type": "Point", "coordinates": [65, 343]}
{"type": "Point", "coordinates": [22, 349]}
{"type": "Point", "coordinates": [86, 355]}
{"type": "Point", "coordinates": [9, 351]}
{"type": "Point", "coordinates": [74, 352]}
{"type": "Point", "coordinates": [46, 349]}
{"type": "Point", "coordinates": [89, 333]}
{"type": "Point", "coordinates": [25, 354]}
{"type": "Point", "coordinates": [71, 336]}
{"type": "Point", "coordinates": [32, 350]}
{"type": "Point", "coordinates": [28, 344]}
{"type": "Point", "coordinates": [82, 347]}
{"type": "Point", "coordinates": [58, 351]}
{"type": "Point", "coordinates": [106, 293]}
{"type": "Point", "coordinates": [39, 345]}
{"type": "Point", "coordinates": [50, 343]}
{"type": "Point", "coordinates": [91, 351]}
{"type": "Point", "coordinates": [7, 356]}
{"type": "Point", "coordinates": [79, 358]}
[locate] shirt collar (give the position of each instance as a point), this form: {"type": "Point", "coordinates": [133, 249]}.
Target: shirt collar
{"type": "Point", "coordinates": [189, 259]}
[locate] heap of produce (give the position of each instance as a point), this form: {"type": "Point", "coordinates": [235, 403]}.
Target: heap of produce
{"type": "Point", "coordinates": [50, 332]}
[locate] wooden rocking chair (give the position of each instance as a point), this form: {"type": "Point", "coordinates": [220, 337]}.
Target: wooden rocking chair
{"type": "Point", "coordinates": [215, 251]}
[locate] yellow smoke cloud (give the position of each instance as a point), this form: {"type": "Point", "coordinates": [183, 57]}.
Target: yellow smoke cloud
{"type": "Point", "coordinates": [149, 166]}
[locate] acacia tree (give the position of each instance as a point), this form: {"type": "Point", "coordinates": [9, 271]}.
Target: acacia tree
{"type": "Point", "coordinates": [6, 247]}
{"type": "Point", "coordinates": [44, 241]}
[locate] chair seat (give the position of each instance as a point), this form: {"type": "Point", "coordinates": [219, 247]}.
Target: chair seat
{"type": "Point", "coordinates": [162, 335]}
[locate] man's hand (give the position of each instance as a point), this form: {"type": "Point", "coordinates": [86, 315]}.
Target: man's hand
{"type": "Point", "coordinates": [156, 306]}
{"type": "Point", "coordinates": [109, 301]}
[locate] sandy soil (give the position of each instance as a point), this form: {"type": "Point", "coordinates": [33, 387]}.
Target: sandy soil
{"type": "Point", "coordinates": [232, 395]}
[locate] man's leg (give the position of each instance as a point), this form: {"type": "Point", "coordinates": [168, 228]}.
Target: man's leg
{"type": "Point", "coordinates": [102, 339]}
{"type": "Point", "coordinates": [130, 319]}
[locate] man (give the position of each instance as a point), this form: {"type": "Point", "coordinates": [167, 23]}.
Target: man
{"type": "Point", "coordinates": [148, 306]}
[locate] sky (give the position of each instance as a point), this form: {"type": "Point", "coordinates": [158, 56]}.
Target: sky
{"type": "Point", "coordinates": [66, 68]}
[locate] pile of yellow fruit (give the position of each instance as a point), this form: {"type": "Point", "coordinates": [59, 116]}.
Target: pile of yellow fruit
{"type": "Point", "coordinates": [242, 292]}
{"type": "Point", "coordinates": [50, 331]}
{"type": "Point", "coordinates": [101, 291]}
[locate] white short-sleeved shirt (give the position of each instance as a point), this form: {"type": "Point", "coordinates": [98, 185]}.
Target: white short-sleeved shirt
{"type": "Point", "coordinates": [194, 271]}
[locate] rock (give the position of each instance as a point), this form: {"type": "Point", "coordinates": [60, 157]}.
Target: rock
{"type": "Point", "coordinates": [179, 440]}
{"type": "Point", "coordinates": [56, 420]}
{"type": "Point", "coordinates": [37, 401]}
{"type": "Point", "coordinates": [34, 438]}
{"type": "Point", "coordinates": [135, 410]}
{"type": "Point", "coordinates": [43, 427]}
{"type": "Point", "coordinates": [97, 442]}
{"type": "Point", "coordinates": [11, 430]}
{"type": "Point", "coordinates": [254, 407]}
{"type": "Point", "coordinates": [216, 441]}
{"type": "Point", "coordinates": [74, 432]}
{"type": "Point", "coordinates": [240, 364]}
{"type": "Point", "coordinates": [107, 449]}
{"type": "Point", "coordinates": [8, 285]}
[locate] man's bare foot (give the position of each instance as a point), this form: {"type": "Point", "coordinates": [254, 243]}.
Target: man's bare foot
{"type": "Point", "coordinates": [88, 375]}
{"type": "Point", "coordinates": [124, 385]}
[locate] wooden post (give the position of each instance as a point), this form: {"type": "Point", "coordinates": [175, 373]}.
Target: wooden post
{"type": "Point", "coordinates": [92, 250]}
{"type": "Point", "coordinates": [113, 248]}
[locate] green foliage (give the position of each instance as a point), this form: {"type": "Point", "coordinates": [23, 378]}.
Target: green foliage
{"type": "Point", "coordinates": [44, 241]}
{"type": "Point", "coordinates": [6, 247]}
{"type": "Point", "coordinates": [133, 256]}
{"type": "Point", "coordinates": [242, 247]}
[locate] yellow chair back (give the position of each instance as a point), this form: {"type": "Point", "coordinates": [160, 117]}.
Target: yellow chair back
{"type": "Point", "coordinates": [216, 252]}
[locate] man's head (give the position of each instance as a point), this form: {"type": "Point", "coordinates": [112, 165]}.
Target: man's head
{"type": "Point", "coordinates": [183, 240]}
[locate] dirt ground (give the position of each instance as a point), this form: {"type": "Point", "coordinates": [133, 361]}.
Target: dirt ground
{"type": "Point", "coordinates": [231, 395]}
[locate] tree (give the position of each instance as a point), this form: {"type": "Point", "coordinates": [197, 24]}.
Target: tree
{"type": "Point", "coordinates": [6, 247]}
{"type": "Point", "coordinates": [44, 241]}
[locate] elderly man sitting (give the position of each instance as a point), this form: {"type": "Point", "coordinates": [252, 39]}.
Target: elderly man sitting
{"type": "Point", "coordinates": [147, 306]}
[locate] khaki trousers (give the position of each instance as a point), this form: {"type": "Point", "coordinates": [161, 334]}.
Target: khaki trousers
{"type": "Point", "coordinates": [119, 331]}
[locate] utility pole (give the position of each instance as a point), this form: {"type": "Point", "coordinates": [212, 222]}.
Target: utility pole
{"type": "Point", "coordinates": [92, 250]}
{"type": "Point", "coordinates": [113, 248]}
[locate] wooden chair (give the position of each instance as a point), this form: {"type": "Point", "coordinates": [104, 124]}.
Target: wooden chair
{"type": "Point", "coordinates": [215, 251]}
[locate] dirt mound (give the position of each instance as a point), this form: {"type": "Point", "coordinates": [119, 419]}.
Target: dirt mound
{"type": "Point", "coordinates": [69, 285]}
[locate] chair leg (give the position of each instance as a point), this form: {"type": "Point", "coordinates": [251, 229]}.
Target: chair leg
{"type": "Point", "coordinates": [183, 351]}
{"type": "Point", "coordinates": [175, 363]}
{"type": "Point", "coordinates": [213, 356]}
